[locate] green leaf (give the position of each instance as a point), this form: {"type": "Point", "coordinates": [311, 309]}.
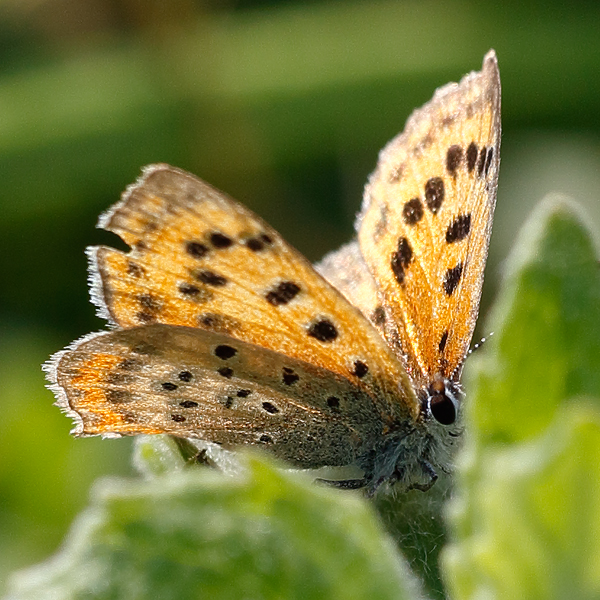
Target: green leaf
{"type": "Point", "coordinates": [537, 511]}
{"type": "Point", "coordinates": [416, 521]}
{"type": "Point", "coordinates": [526, 517]}
{"type": "Point", "coordinates": [156, 455]}
{"type": "Point", "coordinates": [200, 534]}
{"type": "Point", "coordinates": [547, 324]}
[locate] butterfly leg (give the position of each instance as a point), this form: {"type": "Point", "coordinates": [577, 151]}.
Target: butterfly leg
{"type": "Point", "coordinates": [354, 484]}
{"type": "Point", "coordinates": [345, 484]}
{"type": "Point", "coordinates": [194, 455]}
{"type": "Point", "coordinates": [428, 471]}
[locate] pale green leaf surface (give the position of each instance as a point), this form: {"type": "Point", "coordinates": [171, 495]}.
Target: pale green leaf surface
{"type": "Point", "coordinates": [526, 517]}
{"type": "Point", "coordinates": [201, 534]}
{"type": "Point", "coordinates": [536, 517]}
{"type": "Point", "coordinates": [546, 321]}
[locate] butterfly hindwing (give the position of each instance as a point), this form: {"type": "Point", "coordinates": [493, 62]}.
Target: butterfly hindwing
{"type": "Point", "coordinates": [346, 270]}
{"type": "Point", "coordinates": [426, 223]}
{"type": "Point", "coordinates": [198, 384]}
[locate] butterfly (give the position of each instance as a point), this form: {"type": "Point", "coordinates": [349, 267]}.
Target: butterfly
{"type": "Point", "coordinates": [223, 332]}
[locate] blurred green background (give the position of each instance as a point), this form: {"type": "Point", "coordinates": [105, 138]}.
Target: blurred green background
{"type": "Point", "coordinates": [284, 105]}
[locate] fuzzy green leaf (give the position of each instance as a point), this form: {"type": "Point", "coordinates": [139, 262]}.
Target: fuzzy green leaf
{"type": "Point", "coordinates": [536, 508]}
{"type": "Point", "coordinates": [200, 534]}
{"type": "Point", "coordinates": [526, 518]}
{"type": "Point", "coordinates": [547, 324]}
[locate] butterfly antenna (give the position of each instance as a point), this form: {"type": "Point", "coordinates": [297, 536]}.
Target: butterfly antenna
{"type": "Point", "coordinates": [480, 343]}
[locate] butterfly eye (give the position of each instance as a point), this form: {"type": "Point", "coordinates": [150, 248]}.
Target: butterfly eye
{"type": "Point", "coordinates": [443, 409]}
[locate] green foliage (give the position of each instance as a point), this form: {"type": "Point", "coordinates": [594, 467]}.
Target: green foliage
{"type": "Point", "coordinates": [200, 534]}
{"type": "Point", "coordinates": [534, 512]}
{"type": "Point", "coordinates": [44, 472]}
{"type": "Point", "coordinates": [547, 323]}
{"type": "Point", "coordinates": [526, 517]}
{"type": "Point", "coordinates": [524, 522]}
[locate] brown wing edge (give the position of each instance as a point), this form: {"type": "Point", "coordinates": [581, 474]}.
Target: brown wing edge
{"type": "Point", "coordinates": [489, 72]}
{"type": "Point", "coordinates": [50, 369]}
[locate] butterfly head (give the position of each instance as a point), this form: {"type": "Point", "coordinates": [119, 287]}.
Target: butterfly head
{"type": "Point", "coordinates": [441, 401]}
{"type": "Point", "coordinates": [429, 446]}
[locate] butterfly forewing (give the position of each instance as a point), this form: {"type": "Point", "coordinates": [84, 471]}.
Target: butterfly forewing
{"type": "Point", "coordinates": [198, 384]}
{"type": "Point", "coordinates": [426, 223]}
{"type": "Point", "coordinates": [200, 259]}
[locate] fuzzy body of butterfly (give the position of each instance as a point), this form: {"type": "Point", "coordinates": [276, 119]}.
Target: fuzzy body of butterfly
{"type": "Point", "coordinates": [224, 333]}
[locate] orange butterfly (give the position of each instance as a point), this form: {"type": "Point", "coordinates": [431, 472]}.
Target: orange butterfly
{"type": "Point", "coordinates": [225, 333]}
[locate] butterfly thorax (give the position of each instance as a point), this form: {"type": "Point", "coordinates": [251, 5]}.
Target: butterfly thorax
{"type": "Point", "coordinates": [413, 453]}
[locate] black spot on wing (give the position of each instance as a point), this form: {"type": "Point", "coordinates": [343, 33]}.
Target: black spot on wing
{"type": "Point", "coordinates": [270, 408]}
{"type": "Point", "coordinates": [401, 258]}
{"type": "Point", "coordinates": [378, 316]}
{"type": "Point", "coordinates": [333, 403]}
{"type": "Point", "coordinates": [434, 194]}
{"type": "Point", "coordinates": [289, 376]}
{"type": "Point", "coordinates": [454, 157]}
{"type": "Point", "coordinates": [135, 270]}
{"type": "Point", "coordinates": [196, 249]}
{"type": "Point", "coordinates": [220, 240]}
{"type": "Point", "coordinates": [443, 341]}
{"type": "Point", "coordinates": [471, 156]}
{"type": "Point", "coordinates": [360, 369]}
{"type": "Point", "coordinates": [188, 404]}
{"type": "Point", "coordinates": [255, 244]}
{"type": "Point", "coordinates": [459, 229]}
{"type": "Point", "coordinates": [185, 376]}
{"type": "Point", "coordinates": [145, 317]}
{"type": "Point", "coordinates": [481, 161]}
{"type": "Point", "coordinates": [225, 352]}
{"type": "Point", "coordinates": [488, 161]}
{"type": "Point", "coordinates": [258, 243]}
{"type": "Point", "coordinates": [149, 302]}
{"type": "Point", "coordinates": [323, 330]}
{"type": "Point", "coordinates": [218, 322]}
{"type": "Point", "coordinates": [226, 372]}
{"type": "Point", "coordinates": [188, 289]}
{"type": "Point", "coordinates": [452, 278]}
{"type": "Point", "coordinates": [412, 211]}
{"type": "Point", "coordinates": [282, 293]}
{"type": "Point", "coordinates": [210, 278]}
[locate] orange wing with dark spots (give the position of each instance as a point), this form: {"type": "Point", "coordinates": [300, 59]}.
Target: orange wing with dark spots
{"type": "Point", "coordinates": [225, 333]}
{"type": "Point", "coordinates": [200, 259]}
{"type": "Point", "coordinates": [198, 384]}
{"type": "Point", "coordinates": [426, 223]}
